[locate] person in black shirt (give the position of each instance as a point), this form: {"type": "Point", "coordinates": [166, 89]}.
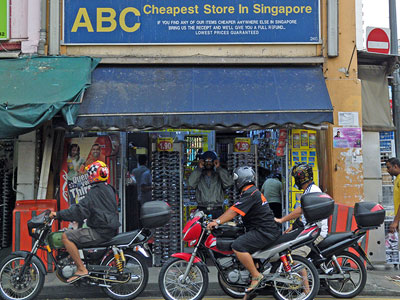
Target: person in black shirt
{"type": "Point", "coordinates": [99, 208]}
{"type": "Point", "coordinates": [258, 218]}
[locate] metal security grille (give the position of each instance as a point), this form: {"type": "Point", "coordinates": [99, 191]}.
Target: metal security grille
{"type": "Point", "coordinates": [7, 194]}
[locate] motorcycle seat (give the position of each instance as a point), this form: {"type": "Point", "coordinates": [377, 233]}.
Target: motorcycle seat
{"type": "Point", "coordinates": [334, 238]}
{"type": "Point", "coordinates": [124, 238]}
{"type": "Point", "coordinates": [291, 235]}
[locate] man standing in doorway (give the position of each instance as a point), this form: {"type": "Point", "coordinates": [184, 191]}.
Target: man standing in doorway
{"type": "Point", "coordinates": [272, 190]}
{"type": "Point", "coordinates": [143, 180]}
{"type": "Point", "coordinates": [210, 181]}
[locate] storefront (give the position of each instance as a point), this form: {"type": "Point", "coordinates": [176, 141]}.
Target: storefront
{"type": "Point", "coordinates": [247, 115]}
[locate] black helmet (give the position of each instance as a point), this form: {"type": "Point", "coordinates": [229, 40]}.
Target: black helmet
{"type": "Point", "coordinates": [209, 154]}
{"type": "Point", "coordinates": [302, 174]}
{"type": "Point", "coordinates": [243, 176]}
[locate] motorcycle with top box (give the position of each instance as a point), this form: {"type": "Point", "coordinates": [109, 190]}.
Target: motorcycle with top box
{"type": "Point", "coordinates": [343, 273]}
{"type": "Point", "coordinates": [117, 265]}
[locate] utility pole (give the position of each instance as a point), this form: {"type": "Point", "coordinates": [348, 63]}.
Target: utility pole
{"type": "Point", "coordinates": [394, 50]}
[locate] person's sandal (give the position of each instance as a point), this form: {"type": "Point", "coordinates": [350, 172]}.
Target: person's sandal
{"type": "Point", "coordinates": [255, 285]}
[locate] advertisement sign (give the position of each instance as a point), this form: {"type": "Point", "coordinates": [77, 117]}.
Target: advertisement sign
{"type": "Point", "coordinates": [242, 145]}
{"type": "Point", "coordinates": [4, 20]}
{"type": "Point", "coordinates": [191, 21]}
{"type": "Point", "coordinates": [165, 144]}
{"type": "Point", "coordinates": [347, 137]}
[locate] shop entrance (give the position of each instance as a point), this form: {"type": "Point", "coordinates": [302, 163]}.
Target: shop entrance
{"type": "Point", "coordinates": [174, 154]}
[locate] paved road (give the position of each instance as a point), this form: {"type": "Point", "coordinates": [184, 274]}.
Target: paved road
{"type": "Point", "coordinates": [258, 298]}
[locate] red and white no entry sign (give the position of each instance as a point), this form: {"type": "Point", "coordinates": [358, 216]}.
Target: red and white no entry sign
{"type": "Point", "coordinates": [378, 40]}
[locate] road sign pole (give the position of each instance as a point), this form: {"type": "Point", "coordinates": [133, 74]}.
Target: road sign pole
{"type": "Point", "coordinates": [396, 76]}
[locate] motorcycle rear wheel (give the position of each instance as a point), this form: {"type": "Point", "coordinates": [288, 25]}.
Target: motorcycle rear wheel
{"type": "Point", "coordinates": [139, 277]}
{"type": "Point", "coordinates": [194, 286]}
{"type": "Point", "coordinates": [291, 291]}
{"type": "Point", "coordinates": [352, 265]}
{"type": "Point", "coordinates": [28, 287]}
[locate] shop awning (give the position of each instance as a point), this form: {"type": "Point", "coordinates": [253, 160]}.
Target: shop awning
{"type": "Point", "coordinates": [138, 98]}
{"type": "Point", "coordinates": [34, 89]}
{"type": "Point", "coordinates": [376, 114]}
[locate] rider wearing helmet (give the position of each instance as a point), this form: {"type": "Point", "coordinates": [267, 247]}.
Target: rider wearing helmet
{"type": "Point", "coordinates": [303, 180]}
{"type": "Point", "coordinates": [99, 208]}
{"type": "Point", "coordinates": [258, 218]}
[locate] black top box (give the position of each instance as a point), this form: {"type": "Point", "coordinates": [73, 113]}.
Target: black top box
{"type": "Point", "coordinates": [316, 206]}
{"type": "Point", "coordinates": [154, 214]}
{"type": "Point", "coordinates": [369, 214]}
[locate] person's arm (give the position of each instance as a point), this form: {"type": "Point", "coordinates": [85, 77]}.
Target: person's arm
{"type": "Point", "coordinates": [297, 212]}
{"type": "Point", "coordinates": [194, 178]}
{"type": "Point", "coordinates": [76, 212]}
{"type": "Point", "coordinates": [226, 179]}
{"type": "Point", "coordinates": [394, 226]}
{"type": "Point", "coordinates": [225, 217]}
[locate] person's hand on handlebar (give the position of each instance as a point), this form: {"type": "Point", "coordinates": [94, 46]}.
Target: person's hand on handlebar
{"type": "Point", "coordinates": [212, 225]}
{"type": "Point", "coordinates": [53, 215]}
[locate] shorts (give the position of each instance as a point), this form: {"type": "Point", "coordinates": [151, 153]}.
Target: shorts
{"type": "Point", "coordinates": [252, 241]}
{"type": "Point", "coordinates": [305, 250]}
{"type": "Point", "coordinates": [84, 237]}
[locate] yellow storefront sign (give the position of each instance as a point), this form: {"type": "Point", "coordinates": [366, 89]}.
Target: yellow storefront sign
{"type": "Point", "coordinates": [165, 144]}
{"type": "Point", "coordinates": [242, 145]}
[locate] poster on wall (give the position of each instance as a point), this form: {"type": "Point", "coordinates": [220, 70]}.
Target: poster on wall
{"type": "Point", "coordinates": [4, 20]}
{"type": "Point", "coordinates": [347, 137]}
{"type": "Point", "coordinates": [191, 21]}
{"type": "Point", "coordinates": [79, 153]}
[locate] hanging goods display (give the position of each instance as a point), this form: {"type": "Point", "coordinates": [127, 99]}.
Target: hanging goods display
{"type": "Point", "coordinates": [240, 159]}
{"type": "Point", "coordinates": [165, 168]}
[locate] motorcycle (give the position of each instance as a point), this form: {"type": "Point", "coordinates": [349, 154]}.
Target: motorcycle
{"type": "Point", "coordinates": [185, 276]}
{"type": "Point", "coordinates": [118, 265]}
{"type": "Point", "coordinates": [289, 277]}
{"type": "Point", "coordinates": [342, 272]}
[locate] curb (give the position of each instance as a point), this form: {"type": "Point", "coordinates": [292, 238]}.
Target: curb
{"type": "Point", "coordinates": [152, 290]}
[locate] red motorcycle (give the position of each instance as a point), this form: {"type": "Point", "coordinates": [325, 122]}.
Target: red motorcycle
{"type": "Point", "coordinates": [289, 277]}
{"type": "Point", "coordinates": [185, 276]}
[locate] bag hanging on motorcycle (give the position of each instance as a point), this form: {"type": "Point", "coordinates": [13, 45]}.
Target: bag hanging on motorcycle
{"type": "Point", "coordinates": [369, 214]}
{"type": "Point", "coordinates": [154, 214]}
{"type": "Point", "coordinates": [317, 206]}
{"type": "Point", "coordinates": [55, 241]}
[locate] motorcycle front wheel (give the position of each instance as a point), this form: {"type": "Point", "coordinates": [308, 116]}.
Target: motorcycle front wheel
{"type": "Point", "coordinates": [24, 287]}
{"type": "Point", "coordinates": [174, 287]}
{"type": "Point", "coordinates": [300, 283]}
{"type": "Point", "coordinates": [136, 275]}
{"type": "Point", "coordinates": [352, 267]}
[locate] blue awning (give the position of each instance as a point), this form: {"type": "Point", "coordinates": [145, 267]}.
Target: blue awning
{"type": "Point", "coordinates": [138, 98]}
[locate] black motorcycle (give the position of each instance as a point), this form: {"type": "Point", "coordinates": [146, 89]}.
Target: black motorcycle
{"type": "Point", "coordinates": [118, 265]}
{"type": "Point", "coordinates": [342, 272]}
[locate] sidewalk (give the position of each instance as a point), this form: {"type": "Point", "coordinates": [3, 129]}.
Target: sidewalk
{"type": "Point", "coordinates": [377, 285]}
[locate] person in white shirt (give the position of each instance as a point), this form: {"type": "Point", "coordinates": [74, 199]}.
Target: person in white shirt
{"type": "Point", "coordinates": [303, 179]}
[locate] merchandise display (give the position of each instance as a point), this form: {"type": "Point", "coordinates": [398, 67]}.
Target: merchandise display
{"type": "Point", "coordinates": [7, 199]}
{"type": "Point", "coordinates": [165, 168]}
{"type": "Point", "coordinates": [240, 159]}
